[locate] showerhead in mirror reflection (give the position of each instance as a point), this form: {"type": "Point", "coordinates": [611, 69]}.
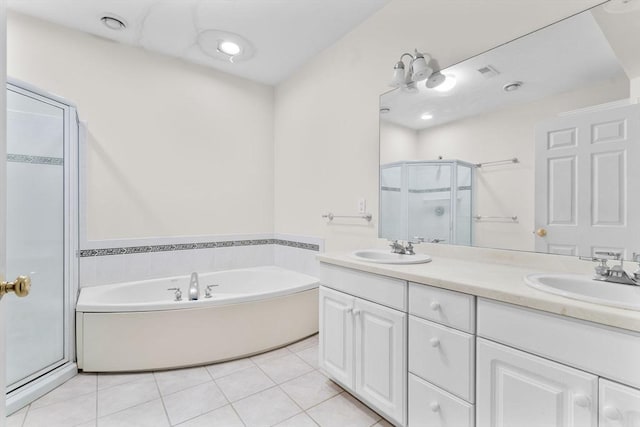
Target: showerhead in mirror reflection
{"type": "Point", "coordinates": [563, 101]}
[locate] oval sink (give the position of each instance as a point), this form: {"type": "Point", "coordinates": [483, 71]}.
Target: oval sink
{"type": "Point", "coordinates": [582, 287]}
{"type": "Point", "coordinates": [387, 257]}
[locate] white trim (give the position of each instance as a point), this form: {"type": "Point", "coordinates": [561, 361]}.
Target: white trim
{"type": "Point", "coordinates": [39, 387]}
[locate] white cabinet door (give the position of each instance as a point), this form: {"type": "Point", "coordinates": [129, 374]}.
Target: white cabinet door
{"type": "Point", "coordinates": [619, 405]}
{"type": "Point", "coordinates": [336, 335]}
{"type": "Point", "coordinates": [381, 368]}
{"type": "Point", "coordinates": [517, 389]}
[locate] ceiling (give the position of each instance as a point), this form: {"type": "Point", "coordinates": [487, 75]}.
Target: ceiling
{"type": "Point", "coordinates": [284, 34]}
{"type": "Point", "coordinates": [566, 56]}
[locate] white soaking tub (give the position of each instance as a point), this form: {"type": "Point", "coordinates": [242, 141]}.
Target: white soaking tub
{"type": "Point", "coordinates": [138, 326]}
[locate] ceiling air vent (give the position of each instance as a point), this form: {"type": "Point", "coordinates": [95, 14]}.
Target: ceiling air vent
{"type": "Point", "coordinates": [488, 71]}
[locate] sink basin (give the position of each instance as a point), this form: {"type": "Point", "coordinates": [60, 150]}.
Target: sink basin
{"type": "Point", "coordinates": [387, 257]}
{"type": "Point", "coordinates": [585, 288]}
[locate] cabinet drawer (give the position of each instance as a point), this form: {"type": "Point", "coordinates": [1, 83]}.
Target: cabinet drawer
{"type": "Point", "coordinates": [431, 407]}
{"type": "Point", "coordinates": [443, 356]}
{"type": "Point", "coordinates": [443, 306]}
{"type": "Point", "coordinates": [619, 405]}
{"type": "Point", "coordinates": [380, 289]}
{"type": "Point", "coordinates": [608, 352]}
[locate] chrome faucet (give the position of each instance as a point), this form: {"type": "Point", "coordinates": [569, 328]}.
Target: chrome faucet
{"type": "Point", "coordinates": [615, 274]}
{"type": "Point", "coordinates": [397, 248]}
{"type": "Point", "coordinates": [194, 287]}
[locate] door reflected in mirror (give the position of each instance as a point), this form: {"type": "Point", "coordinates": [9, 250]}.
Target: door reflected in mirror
{"type": "Point", "coordinates": [541, 133]}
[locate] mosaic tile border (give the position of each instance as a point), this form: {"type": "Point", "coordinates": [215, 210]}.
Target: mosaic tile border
{"type": "Point", "coordinates": [130, 250]}
{"type": "Point", "coordinates": [37, 160]}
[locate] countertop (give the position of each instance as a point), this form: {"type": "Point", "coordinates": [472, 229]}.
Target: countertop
{"type": "Point", "coordinates": [493, 281]}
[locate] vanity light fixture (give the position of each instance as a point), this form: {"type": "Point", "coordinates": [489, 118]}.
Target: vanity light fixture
{"type": "Point", "coordinates": [418, 70]}
{"type": "Point", "coordinates": [426, 116]}
{"type": "Point", "coordinates": [448, 83]}
{"type": "Point", "coordinates": [113, 23]}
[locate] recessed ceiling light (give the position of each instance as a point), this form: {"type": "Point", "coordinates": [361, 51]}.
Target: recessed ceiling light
{"type": "Point", "coordinates": [229, 47]}
{"type": "Point", "coordinates": [512, 87]}
{"type": "Point", "coordinates": [426, 116]}
{"type": "Point", "coordinates": [113, 23]}
{"type": "Point", "coordinates": [225, 46]}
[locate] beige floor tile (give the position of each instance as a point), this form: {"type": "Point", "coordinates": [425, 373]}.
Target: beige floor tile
{"type": "Point", "coordinates": [220, 370]}
{"type": "Point", "coordinates": [222, 417]}
{"type": "Point", "coordinates": [282, 369]}
{"type": "Point", "coordinates": [305, 343]}
{"type": "Point", "coordinates": [244, 383]}
{"type": "Point", "coordinates": [192, 402]}
{"type": "Point", "coordinates": [383, 423]}
{"type": "Point", "coordinates": [150, 414]}
{"type": "Point", "coordinates": [300, 420]}
{"type": "Point", "coordinates": [310, 389]}
{"type": "Point", "coordinates": [110, 380]}
{"type": "Point", "coordinates": [75, 387]}
{"type": "Point", "coordinates": [310, 356]}
{"type": "Point", "coordinates": [92, 423]}
{"type": "Point", "coordinates": [180, 379]}
{"type": "Point", "coordinates": [280, 352]}
{"type": "Point", "coordinates": [71, 412]}
{"type": "Point", "coordinates": [123, 396]}
{"type": "Point", "coordinates": [266, 408]}
{"type": "Point", "coordinates": [17, 418]}
{"type": "Point", "coordinates": [343, 410]}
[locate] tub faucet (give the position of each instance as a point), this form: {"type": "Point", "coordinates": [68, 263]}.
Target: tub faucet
{"type": "Point", "coordinates": [194, 287]}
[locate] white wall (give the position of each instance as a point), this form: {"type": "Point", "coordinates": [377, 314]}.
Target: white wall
{"type": "Point", "coordinates": [173, 148]}
{"type": "Point", "coordinates": [326, 115]}
{"type": "Point", "coordinates": [402, 143]}
{"type": "Point", "coordinates": [508, 190]}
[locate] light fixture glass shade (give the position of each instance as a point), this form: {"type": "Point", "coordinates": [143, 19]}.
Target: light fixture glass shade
{"type": "Point", "coordinates": [398, 75]}
{"type": "Point", "coordinates": [421, 69]}
{"type": "Point", "coordinates": [448, 83]}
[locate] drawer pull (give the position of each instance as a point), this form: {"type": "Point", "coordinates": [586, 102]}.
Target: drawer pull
{"type": "Point", "coordinates": [435, 406]}
{"type": "Point", "coordinates": [582, 401]}
{"type": "Point", "coordinates": [435, 306]}
{"type": "Point", "coordinates": [612, 413]}
{"type": "Point", "coordinates": [435, 342]}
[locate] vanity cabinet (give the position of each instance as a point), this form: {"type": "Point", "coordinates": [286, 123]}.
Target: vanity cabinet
{"type": "Point", "coordinates": [619, 405]}
{"type": "Point", "coordinates": [515, 388]}
{"type": "Point", "coordinates": [363, 343]}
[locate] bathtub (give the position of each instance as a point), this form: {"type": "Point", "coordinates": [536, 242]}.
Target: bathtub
{"type": "Point", "coordinates": [138, 326]}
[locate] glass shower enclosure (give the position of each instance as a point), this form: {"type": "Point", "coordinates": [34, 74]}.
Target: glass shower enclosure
{"type": "Point", "coordinates": [430, 200]}
{"type": "Point", "coordinates": [42, 139]}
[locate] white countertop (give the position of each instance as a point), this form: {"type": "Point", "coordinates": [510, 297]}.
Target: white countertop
{"type": "Point", "coordinates": [494, 281]}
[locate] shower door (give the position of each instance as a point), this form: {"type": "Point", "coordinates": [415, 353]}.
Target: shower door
{"type": "Point", "coordinates": [40, 241]}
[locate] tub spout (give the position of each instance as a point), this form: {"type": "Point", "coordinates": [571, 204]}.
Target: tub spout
{"type": "Point", "coordinates": [194, 287]}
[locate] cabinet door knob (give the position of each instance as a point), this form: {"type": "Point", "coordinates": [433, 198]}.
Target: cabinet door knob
{"type": "Point", "coordinates": [582, 400]}
{"type": "Point", "coordinates": [435, 342]}
{"type": "Point", "coordinates": [435, 406]}
{"type": "Point", "coordinates": [435, 306]}
{"type": "Point", "coordinates": [612, 413]}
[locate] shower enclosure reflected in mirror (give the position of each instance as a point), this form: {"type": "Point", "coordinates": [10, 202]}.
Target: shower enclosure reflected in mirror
{"type": "Point", "coordinates": [562, 102]}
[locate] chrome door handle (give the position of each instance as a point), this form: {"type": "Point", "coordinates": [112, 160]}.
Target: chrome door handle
{"type": "Point", "coordinates": [20, 286]}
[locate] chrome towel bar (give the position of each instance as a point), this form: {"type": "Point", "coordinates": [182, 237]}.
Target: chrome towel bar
{"type": "Point", "coordinates": [330, 216]}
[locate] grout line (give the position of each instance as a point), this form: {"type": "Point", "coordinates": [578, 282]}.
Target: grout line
{"type": "Point", "coordinates": [166, 414]}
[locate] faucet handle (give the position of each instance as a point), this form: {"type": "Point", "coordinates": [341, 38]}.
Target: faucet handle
{"type": "Point", "coordinates": [178, 293]}
{"type": "Point", "coordinates": [207, 292]}
{"type": "Point", "coordinates": [409, 249]}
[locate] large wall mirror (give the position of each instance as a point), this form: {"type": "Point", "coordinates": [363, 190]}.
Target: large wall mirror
{"type": "Point", "coordinates": [536, 146]}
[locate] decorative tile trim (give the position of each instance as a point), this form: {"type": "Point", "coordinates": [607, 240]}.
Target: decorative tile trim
{"type": "Point", "coordinates": [190, 246]}
{"type": "Point", "coordinates": [38, 160]}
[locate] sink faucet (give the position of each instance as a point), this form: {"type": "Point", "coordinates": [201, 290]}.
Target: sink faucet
{"type": "Point", "coordinates": [615, 274]}
{"type": "Point", "coordinates": [194, 287]}
{"type": "Point", "coordinates": [397, 248]}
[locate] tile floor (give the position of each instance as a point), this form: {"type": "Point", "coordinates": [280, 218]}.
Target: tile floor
{"type": "Point", "coordinates": [279, 388]}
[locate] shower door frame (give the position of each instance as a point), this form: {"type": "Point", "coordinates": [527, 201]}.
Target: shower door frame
{"type": "Point", "coordinates": [41, 382]}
